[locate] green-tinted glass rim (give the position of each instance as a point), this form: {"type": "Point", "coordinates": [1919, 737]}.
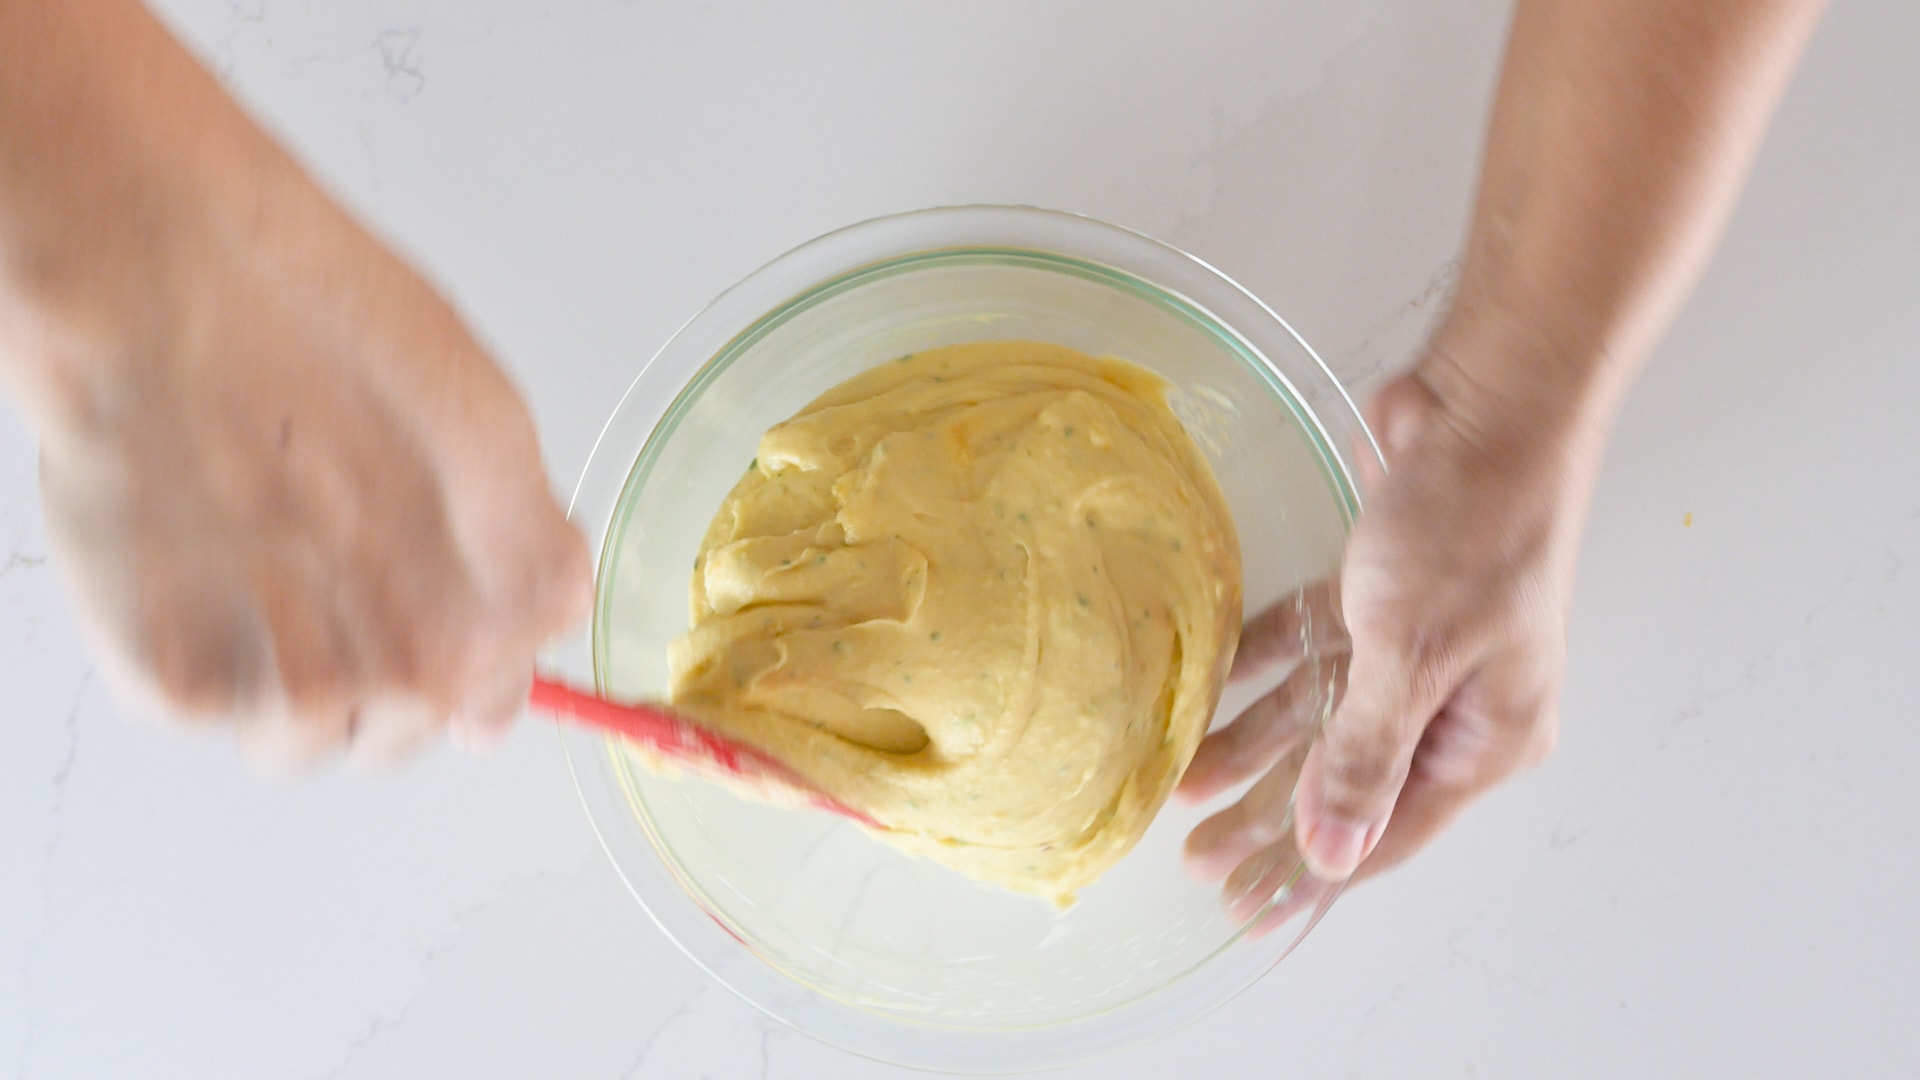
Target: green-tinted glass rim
{"type": "Point", "coordinates": [641, 471]}
{"type": "Point", "coordinates": [623, 772]}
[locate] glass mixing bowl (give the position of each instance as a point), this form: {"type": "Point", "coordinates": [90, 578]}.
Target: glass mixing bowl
{"type": "Point", "coordinates": [803, 915]}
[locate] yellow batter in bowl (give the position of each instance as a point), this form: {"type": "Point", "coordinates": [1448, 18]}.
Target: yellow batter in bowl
{"type": "Point", "coordinates": [987, 594]}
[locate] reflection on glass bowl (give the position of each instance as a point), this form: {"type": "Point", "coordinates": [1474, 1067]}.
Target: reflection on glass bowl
{"type": "Point", "coordinates": [805, 916]}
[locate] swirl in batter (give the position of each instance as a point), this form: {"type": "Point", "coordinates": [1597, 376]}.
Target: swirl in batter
{"type": "Point", "coordinates": [986, 593]}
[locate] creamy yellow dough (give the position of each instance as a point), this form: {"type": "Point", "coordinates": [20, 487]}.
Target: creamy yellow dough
{"type": "Point", "coordinates": [986, 593]}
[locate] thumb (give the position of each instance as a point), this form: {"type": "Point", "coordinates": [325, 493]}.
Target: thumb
{"type": "Point", "coordinates": [1357, 766]}
{"type": "Point", "coordinates": [1396, 415]}
{"type": "Point", "coordinates": [1354, 773]}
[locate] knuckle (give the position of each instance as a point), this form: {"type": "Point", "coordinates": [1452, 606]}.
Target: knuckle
{"type": "Point", "coordinates": [1460, 752]}
{"type": "Point", "coordinates": [192, 680]}
{"type": "Point", "coordinates": [1425, 651]}
{"type": "Point", "coordinates": [400, 659]}
{"type": "Point", "coordinates": [312, 679]}
{"type": "Point", "coordinates": [1377, 628]}
{"type": "Point", "coordinates": [1543, 736]}
{"type": "Point", "coordinates": [318, 688]}
{"type": "Point", "coordinates": [194, 673]}
{"type": "Point", "coordinates": [433, 658]}
{"type": "Point", "coordinates": [1265, 828]}
{"type": "Point", "coordinates": [394, 728]}
{"type": "Point", "coordinates": [1359, 765]}
{"type": "Point", "coordinates": [1430, 657]}
{"type": "Point", "coordinates": [1536, 720]}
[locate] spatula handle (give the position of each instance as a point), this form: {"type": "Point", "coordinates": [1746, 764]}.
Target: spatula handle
{"type": "Point", "coordinates": [680, 739]}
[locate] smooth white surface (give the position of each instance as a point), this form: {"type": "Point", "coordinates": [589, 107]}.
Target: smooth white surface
{"type": "Point", "coordinates": [1714, 876]}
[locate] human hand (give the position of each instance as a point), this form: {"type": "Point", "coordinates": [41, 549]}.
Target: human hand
{"type": "Point", "coordinates": [288, 489]}
{"type": "Point", "coordinates": [293, 495]}
{"type": "Point", "coordinates": [1443, 636]}
{"type": "Point", "coordinates": [1620, 136]}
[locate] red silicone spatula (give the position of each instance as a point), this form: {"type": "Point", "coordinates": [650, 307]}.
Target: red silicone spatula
{"type": "Point", "coordinates": [683, 740]}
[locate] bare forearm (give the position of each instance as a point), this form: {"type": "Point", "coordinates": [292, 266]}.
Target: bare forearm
{"type": "Point", "coordinates": [114, 144]}
{"type": "Point", "coordinates": [1621, 134]}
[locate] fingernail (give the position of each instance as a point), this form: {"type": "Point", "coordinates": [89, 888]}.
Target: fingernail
{"type": "Point", "coordinates": [460, 737]}
{"type": "Point", "coordinates": [1337, 845]}
{"type": "Point", "coordinates": [478, 736]}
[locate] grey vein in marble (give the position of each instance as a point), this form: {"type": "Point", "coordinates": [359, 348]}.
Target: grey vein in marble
{"type": "Point", "coordinates": [645, 1051]}
{"type": "Point", "coordinates": [17, 561]}
{"type": "Point", "coordinates": [456, 923]}
{"type": "Point", "coordinates": [405, 79]}
{"type": "Point", "coordinates": [49, 852]}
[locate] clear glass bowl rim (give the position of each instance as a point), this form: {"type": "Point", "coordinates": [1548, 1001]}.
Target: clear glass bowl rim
{"type": "Point", "coordinates": [727, 326]}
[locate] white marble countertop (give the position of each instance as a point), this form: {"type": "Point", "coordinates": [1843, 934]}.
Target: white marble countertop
{"type": "Point", "coordinates": [1713, 877]}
